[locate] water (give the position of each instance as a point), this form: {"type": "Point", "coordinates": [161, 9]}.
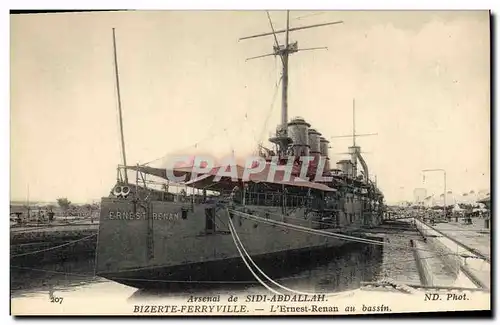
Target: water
{"type": "Point", "coordinates": [352, 264]}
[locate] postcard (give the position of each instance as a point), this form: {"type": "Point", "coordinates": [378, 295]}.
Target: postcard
{"type": "Point", "coordinates": [250, 163]}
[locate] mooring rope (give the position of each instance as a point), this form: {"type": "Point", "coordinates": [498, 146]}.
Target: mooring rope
{"type": "Point", "coordinates": [395, 284]}
{"type": "Point", "coordinates": [233, 231]}
{"type": "Point", "coordinates": [331, 234]}
{"type": "Point", "coordinates": [55, 247]}
{"type": "Point", "coordinates": [303, 219]}
{"type": "Point", "coordinates": [308, 230]}
{"type": "Point", "coordinates": [16, 229]}
{"type": "Point", "coordinates": [248, 266]}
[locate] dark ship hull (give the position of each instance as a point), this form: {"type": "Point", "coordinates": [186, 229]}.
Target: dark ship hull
{"type": "Point", "coordinates": [225, 271]}
{"type": "Point", "coordinates": [160, 243]}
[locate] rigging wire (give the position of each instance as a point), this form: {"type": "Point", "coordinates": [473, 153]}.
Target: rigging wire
{"type": "Point", "coordinates": [245, 119]}
{"type": "Point", "coordinates": [235, 234]}
{"type": "Point", "coordinates": [309, 230]}
{"type": "Point", "coordinates": [310, 15]}
{"type": "Point", "coordinates": [208, 137]}
{"type": "Point", "coordinates": [251, 127]}
{"type": "Point", "coordinates": [266, 121]}
{"type": "Point", "coordinates": [52, 248]}
{"type": "Point", "coordinates": [328, 234]}
{"type": "Point", "coordinates": [195, 145]}
{"type": "Point", "coordinates": [259, 140]}
{"type": "Point", "coordinates": [51, 226]}
{"type": "Point", "coordinates": [230, 143]}
{"type": "Point", "coordinates": [329, 224]}
{"type": "Point", "coordinates": [211, 135]}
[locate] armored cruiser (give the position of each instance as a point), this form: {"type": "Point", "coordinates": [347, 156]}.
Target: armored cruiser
{"type": "Point", "coordinates": [148, 237]}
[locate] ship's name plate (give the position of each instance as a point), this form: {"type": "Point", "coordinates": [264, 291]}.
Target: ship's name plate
{"type": "Point", "coordinates": [130, 215]}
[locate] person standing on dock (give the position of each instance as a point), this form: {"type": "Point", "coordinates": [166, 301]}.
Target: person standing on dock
{"type": "Point", "coordinates": [236, 195]}
{"type": "Point", "coordinates": [50, 215]}
{"type": "Point", "coordinates": [19, 219]}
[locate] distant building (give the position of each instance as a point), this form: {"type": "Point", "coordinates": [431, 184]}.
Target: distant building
{"type": "Point", "coordinates": [419, 195]}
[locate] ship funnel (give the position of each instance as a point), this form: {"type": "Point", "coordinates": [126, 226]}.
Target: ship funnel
{"type": "Point", "coordinates": [298, 131]}
{"type": "Point", "coordinates": [346, 166]}
{"type": "Point", "coordinates": [323, 146]}
{"type": "Point", "coordinates": [314, 143]}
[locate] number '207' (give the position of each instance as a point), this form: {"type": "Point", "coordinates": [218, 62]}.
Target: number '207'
{"type": "Point", "coordinates": [56, 300]}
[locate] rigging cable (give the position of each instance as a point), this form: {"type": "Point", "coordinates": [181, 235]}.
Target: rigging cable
{"type": "Point", "coordinates": [269, 111]}
{"type": "Point", "coordinates": [208, 137]}
{"type": "Point", "coordinates": [310, 15]}
{"type": "Point", "coordinates": [309, 230]}
{"type": "Point", "coordinates": [235, 234]}
{"type": "Point", "coordinates": [51, 248]}
{"type": "Point", "coordinates": [212, 134]}
{"type": "Point", "coordinates": [325, 233]}
{"type": "Point", "coordinates": [329, 224]}
{"type": "Point", "coordinates": [277, 82]}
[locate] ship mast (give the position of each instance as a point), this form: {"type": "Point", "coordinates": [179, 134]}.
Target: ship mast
{"type": "Point", "coordinates": [354, 150]}
{"type": "Point", "coordinates": [281, 138]}
{"type": "Point", "coordinates": [124, 156]}
{"type": "Point", "coordinates": [284, 93]}
{"type": "Point", "coordinates": [353, 122]}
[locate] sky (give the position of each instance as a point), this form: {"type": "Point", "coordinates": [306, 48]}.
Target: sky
{"type": "Point", "coordinates": [421, 80]}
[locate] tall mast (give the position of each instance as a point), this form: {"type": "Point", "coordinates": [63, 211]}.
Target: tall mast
{"type": "Point", "coordinates": [283, 51]}
{"type": "Point", "coordinates": [284, 93]}
{"type": "Point", "coordinates": [354, 150]}
{"type": "Point", "coordinates": [124, 156]}
{"type": "Point", "coordinates": [354, 122]}
{"type": "Point", "coordinates": [354, 135]}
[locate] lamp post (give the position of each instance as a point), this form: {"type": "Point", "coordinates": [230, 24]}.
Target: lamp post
{"type": "Point", "coordinates": [444, 197]}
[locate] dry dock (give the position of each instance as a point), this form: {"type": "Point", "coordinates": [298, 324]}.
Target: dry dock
{"type": "Point", "coordinates": [475, 236]}
{"type": "Point", "coordinates": [462, 249]}
{"type": "Point", "coordinates": [51, 243]}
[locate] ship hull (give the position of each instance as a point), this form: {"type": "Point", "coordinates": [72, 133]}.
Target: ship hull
{"type": "Point", "coordinates": [225, 271]}
{"type": "Point", "coordinates": [161, 243]}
